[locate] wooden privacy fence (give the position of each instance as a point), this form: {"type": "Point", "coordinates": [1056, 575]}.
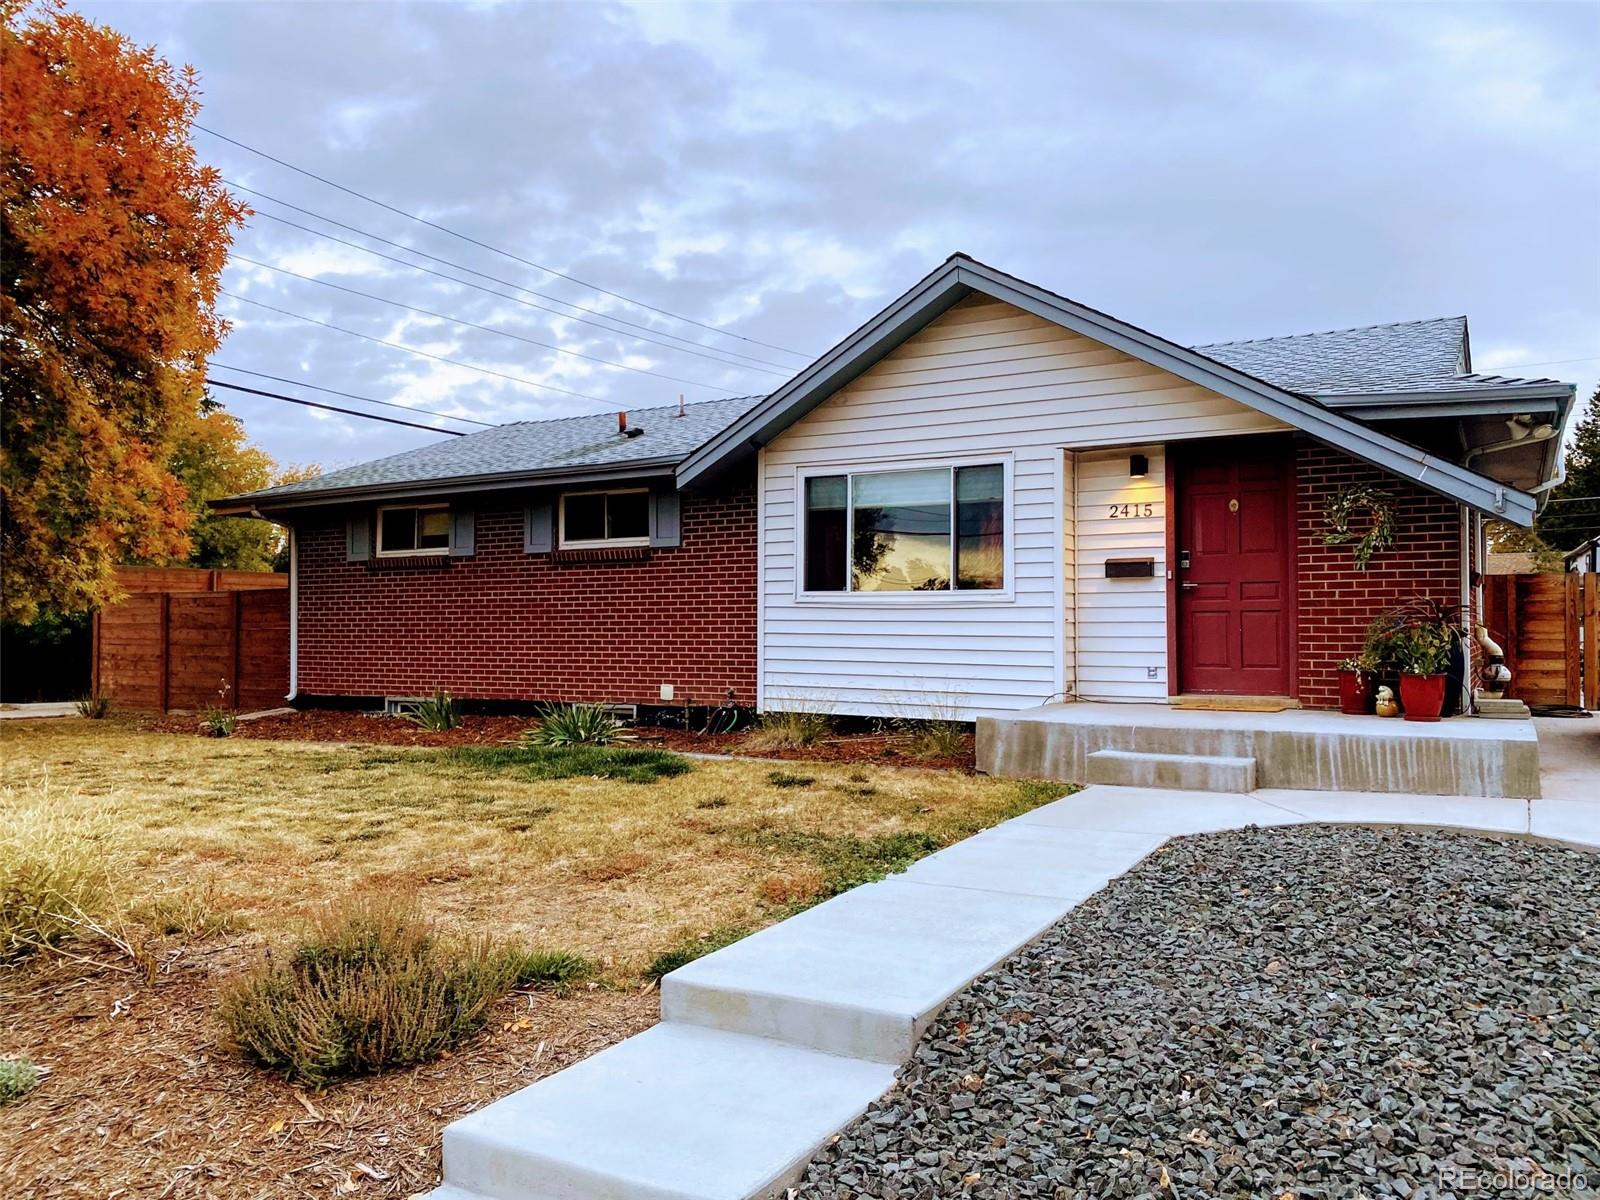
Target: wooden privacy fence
{"type": "Point", "coordinates": [1549, 627]}
{"type": "Point", "coordinates": [187, 638]}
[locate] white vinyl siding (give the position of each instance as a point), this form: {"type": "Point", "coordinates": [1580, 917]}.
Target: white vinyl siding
{"type": "Point", "coordinates": [984, 381]}
{"type": "Point", "coordinates": [1122, 623]}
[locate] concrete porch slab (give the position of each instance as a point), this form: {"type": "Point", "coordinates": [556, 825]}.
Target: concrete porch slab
{"type": "Point", "coordinates": [678, 1112]}
{"type": "Point", "coordinates": [1296, 748]}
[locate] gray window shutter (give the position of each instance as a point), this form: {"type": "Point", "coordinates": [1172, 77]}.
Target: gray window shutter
{"type": "Point", "coordinates": [358, 538]}
{"type": "Point", "coordinates": [538, 527]}
{"type": "Point", "coordinates": [664, 519]}
{"type": "Point", "coordinates": [463, 532]}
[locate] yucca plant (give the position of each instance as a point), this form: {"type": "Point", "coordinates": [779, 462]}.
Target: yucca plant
{"type": "Point", "coordinates": [95, 708]}
{"type": "Point", "coordinates": [437, 713]}
{"type": "Point", "coordinates": [574, 725]}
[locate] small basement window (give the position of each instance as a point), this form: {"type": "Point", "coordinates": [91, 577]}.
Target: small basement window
{"type": "Point", "coordinates": [605, 518]}
{"type": "Point", "coordinates": [415, 530]}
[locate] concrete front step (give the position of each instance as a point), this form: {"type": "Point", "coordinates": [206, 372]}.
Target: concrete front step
{"type": "Point", "coordinates": [678, 1112]}
{"type": "Point", "coordinates": [865, 973]}
{"type": "Point", "coordinates": [1296, 749]}
{"type": "Point", "coordinates": [1192, 772]}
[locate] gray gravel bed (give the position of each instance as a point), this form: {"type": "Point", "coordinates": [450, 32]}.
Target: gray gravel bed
{"type": "Point", "coordinates": [1315, 1011]}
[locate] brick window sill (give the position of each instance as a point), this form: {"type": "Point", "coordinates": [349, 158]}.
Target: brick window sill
{"type": "Point", "coordinates": [415, 562]}
{"type": "Point", "coordinates": [602, 554]}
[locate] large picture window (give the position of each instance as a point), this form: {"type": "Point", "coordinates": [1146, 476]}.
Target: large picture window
{"type": "Point", "coordinates": [414, 530]}
{"type": "Point", "coordinates": [935, 529]}
{"type": "Point", "coordinates": [606, 518]}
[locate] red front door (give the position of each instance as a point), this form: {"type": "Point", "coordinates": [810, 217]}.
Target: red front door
{"type": "Point", "coordinates": [1235, 577]}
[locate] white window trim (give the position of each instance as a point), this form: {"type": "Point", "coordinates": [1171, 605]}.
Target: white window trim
{"type": "Point", "coordinates": [420, 552]}
{"type": "Point", "coordinates": [954, 596]}
{"type": "Point", "coordinates": [562, 542]}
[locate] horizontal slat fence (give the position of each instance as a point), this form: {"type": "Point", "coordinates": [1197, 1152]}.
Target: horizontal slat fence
{"type": "Point", "coordinates": [1549, 628]}
{"type": "Point", "coordinates": [183, 645]}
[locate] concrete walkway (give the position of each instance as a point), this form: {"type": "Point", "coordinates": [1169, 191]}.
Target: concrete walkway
{"type": "Point", "coordinates": [768, 1047]}
{"type": "Point", "coordinates": [36, 709]}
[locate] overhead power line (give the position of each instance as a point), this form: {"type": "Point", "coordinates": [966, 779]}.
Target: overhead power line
{"type": "Point", "coordinates": [645, 333]}
{"type": "Point", "coordinates": [468, 238]}
{"type": "Point", "coordinates": [349, 412]}
{"type": "Point", "coordinates": [427, 312]}
{"type": "Point", "coordinates": [317, 387]}
{"type": "Point", "coordinates": [454, 362]}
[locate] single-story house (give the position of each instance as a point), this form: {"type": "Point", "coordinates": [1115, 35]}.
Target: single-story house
{"type": "Point", "coordinates": [986, 497]}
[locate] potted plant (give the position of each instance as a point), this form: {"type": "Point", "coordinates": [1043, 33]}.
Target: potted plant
{"type": "Point", "coordinates": [1424, 654]}
{"type": "Point", "coordinates": [1358, 685]}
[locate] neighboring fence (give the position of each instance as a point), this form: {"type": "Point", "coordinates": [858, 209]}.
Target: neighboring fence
{"type": "Point", "coordinates": [1549, 627]}
{"type": "Point", "coordinates": [186, 638]}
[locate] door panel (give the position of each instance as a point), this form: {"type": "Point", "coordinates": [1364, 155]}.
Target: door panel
{"type": "Point", "coordinates": [1235, 596]}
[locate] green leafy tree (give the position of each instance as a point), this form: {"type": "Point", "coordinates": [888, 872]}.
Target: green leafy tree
{"type": "Point", "coordinates": [212, 459]}
{"type": "Point", "coordinates": [1572, 515]}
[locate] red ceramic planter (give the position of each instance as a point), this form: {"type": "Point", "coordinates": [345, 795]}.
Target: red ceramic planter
{"type": "Point", "coordinates": [1357, 691]}
{"type": "Point", "coordinates": [1422, 696]}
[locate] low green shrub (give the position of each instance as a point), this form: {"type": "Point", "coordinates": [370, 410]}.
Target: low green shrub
{"type": "Point", "coordinates": [556, 970]}
{"type": "Point", "coordinates": [786, 779]}
{"type": "Point", "coordinates": [370, 986]}
{"type": "Point", "coordinates": [437, 713]}
{"type": "Point", "coordinates": [18, 1077]}
{"type": "Point", "coordinates": [623, 763]}
{"type": "Point", "coordinates": [789, 730]}
{"type": "Point", "coordinates": [692, 948]}
{"type": "Point", "coordinates": [574, 725]}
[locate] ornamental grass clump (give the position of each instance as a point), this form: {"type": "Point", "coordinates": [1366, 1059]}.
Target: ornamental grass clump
{"type": "Point", "coordinates": [372, 985]}
{"type": "Point", "coordinates": [789, 730]}
{"type": "Point", "coordinates": [55, 872]}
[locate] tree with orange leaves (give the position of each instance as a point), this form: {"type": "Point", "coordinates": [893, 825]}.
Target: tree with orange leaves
{"type": "Point", "coordinates": [111, 251]}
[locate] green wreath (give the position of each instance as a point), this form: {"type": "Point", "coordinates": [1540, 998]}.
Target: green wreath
{"type": "Point", "coordinates": [1345, 504]}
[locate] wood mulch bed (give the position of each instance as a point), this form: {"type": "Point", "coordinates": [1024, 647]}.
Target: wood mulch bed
{"type": "Point", "coordinates": [145, 1099]}
{"type": "Point", "coordinates": [335, 725]}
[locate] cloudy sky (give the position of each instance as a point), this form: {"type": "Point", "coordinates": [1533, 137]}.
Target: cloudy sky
{"type": "Point", "coordinates": [720, 192]}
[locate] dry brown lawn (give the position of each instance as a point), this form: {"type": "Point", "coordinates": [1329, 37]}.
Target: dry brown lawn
{"type": "Point", "coordinates": [236, 841]}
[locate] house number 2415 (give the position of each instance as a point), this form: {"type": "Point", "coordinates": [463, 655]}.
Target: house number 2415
{"type": "Point", "coordinates": [1130, 510]}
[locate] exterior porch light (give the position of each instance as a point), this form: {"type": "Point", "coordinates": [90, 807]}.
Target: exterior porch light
{"type": "Point", "coordinates": [1138, 466]}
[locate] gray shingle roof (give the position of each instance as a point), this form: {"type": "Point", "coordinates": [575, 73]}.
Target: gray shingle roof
{"type": "Point", "coordinates": [1405, 356]}
{"type": "Point", "coordinates": [567, 443]}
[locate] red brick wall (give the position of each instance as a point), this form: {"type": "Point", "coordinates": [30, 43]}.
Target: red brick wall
{"type": "Point", "coordinates": [505, 625]}
{"type": "Point", "coordinates": [1336, 600]}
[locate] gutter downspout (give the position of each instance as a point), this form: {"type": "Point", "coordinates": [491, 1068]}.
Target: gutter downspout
{"type": "Point", "coordinates": [294, 618]}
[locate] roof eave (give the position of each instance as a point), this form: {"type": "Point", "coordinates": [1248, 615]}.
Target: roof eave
{"type": "Point", "coordinates": [257, 503]}
{"type": "Point", "coordinates": [960, 276]}
{"type": "Point", "coordinates": [1524, 397]}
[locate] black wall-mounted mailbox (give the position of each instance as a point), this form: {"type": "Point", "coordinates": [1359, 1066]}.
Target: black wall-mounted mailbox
{"type": "Point", "coordinates": [1130, 568]}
